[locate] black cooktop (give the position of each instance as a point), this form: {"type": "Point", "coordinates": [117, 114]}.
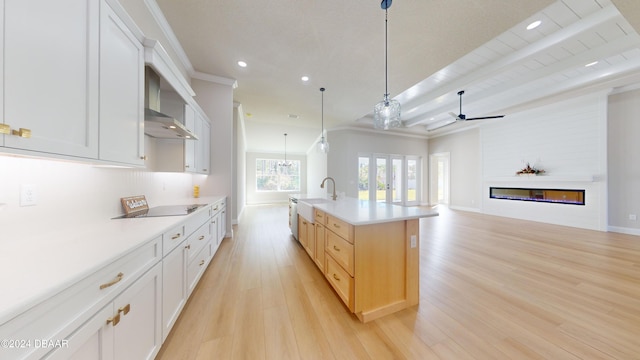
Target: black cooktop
{"type": "Point", "coordinates": [167, 210]}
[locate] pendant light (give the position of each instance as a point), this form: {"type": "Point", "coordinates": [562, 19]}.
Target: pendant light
{"type": "Point", "coordinates": [323, 145]}
{"type": "Point", "coordinates": [386, 113]}
{"type": "Point", "coordinates": [285, 163]}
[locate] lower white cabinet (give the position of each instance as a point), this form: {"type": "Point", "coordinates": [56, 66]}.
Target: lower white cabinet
{"type": "Point", "coordinates": [126, 328]}
{"type": "Point", "coordinates": [174, 287]}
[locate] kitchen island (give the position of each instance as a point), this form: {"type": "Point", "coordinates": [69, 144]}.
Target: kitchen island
{"type": "Point", "coordinates": [368, 251]}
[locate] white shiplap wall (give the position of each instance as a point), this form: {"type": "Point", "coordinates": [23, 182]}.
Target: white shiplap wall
{"type": "Point", "coordinates": [566, 139]}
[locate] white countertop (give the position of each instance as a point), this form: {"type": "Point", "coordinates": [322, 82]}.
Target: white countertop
{"type": "Point", "coordinates": [363, 212]}
{"type": "Point", "coordinates": [46, 261]}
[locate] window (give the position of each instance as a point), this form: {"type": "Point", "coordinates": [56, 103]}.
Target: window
{"type": "Point", "coordinates": [273, 175]}
{"type": "Point", "coordinates": [389, 178]}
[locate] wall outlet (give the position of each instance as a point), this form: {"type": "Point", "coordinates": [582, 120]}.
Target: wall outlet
{"type": "Point", "coordinates": [414, 241]}
{"type": "Point", "coordinates": [633, 217]}
{"type": "Point", "coordinates": [28, 195]}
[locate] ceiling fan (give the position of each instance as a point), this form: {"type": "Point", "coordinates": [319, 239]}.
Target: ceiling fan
{"type": "Point", "coordinates": [462, 117]}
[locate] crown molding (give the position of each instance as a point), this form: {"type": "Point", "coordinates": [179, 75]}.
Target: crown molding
{"type": "Point", "coordinates": [215, 79]}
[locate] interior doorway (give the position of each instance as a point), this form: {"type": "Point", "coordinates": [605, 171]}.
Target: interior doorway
{"type": "Point", "coordinates": [439, 180]}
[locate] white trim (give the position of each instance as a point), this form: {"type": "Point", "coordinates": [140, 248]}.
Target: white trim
{"type": "Point", "coordinates": [162, 22]}
{"type": "Point", "coordinates": [624, 230]}
{"type": "Point", "coordinates": [215, 79]}
{"type": "Point", "coordinates": [464, 208]}
{"type": "Point", "coordinates": [391, 133]}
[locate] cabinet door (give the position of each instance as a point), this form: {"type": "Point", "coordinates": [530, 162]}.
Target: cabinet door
{"type": "Point", "coordinates": [51, 75]}
{"type": "Point", "coordinates": [319, 254]}
{"type": "Point", "coordinates": [92, 341]}
{"type": "Point", "coordinates": [311, 240]}
{"type": "Point", "coordinates": [174, 287]}
{"type": "Point", "coordinates": [138, 334]}
{"type": "Point", "coordinates": [121, 91]}
{"type": "Point", "coordinates": [190, 145]}
{"type": "Point", "coordinates": [202, 146]}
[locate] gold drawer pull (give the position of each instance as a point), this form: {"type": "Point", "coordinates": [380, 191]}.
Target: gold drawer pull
{"type": "Point", "coordinates": [112, 282]}
{"type": "Point", "coordinates": [201, 237]}
{"type": "Point", "coordinates": [176, 236]}
{"type": "Point", "coordinates": [188, 247]}
{"type": "Point", "coordinates": [125, 309]}
{"type": "Point", "coordinates": [114, 320]}
{"type": "Point", "coordinates": [23, 133]}
{"type": "Point", "coordinates": [201, 262]}
{"type": "Point", "coordinates": [336, 248]}
{"type": "Point", "coordinates": [216, 208]}
{"type": "Point", "coordinates": [5, 129]}
{"type": "Point", "coordinates": [336, 277]}
{"type": "Point", "coordinates": [336, 225]}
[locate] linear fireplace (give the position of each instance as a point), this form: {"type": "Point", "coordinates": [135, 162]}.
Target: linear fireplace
{"type": "Point", "coordinates": [557, 196]}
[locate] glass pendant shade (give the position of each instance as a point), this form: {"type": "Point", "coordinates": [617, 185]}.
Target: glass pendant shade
{"type": "Point", "coordinates": [386, 114]}
{"type": "Point", "coordinates": [323, 145]}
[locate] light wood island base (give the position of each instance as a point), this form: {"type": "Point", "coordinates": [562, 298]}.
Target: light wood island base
{"type": "Point", "coordinates": [373, 267]}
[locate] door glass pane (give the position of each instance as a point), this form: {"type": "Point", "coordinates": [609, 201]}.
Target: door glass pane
{"type": "Point", "coordinates": [412, 170]}
{"type": "Point", "coordinates": [396, 181]}
{"type": "Point", "coordinates": [441, 182]}
{"type": "Point", "coordinates": [381, 179]}
{"type": "Point", "coordinates": [363, 178]}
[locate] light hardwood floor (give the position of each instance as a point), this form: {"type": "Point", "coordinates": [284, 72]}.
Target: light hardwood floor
{"type": "Point", "coordinates": [490, 288]}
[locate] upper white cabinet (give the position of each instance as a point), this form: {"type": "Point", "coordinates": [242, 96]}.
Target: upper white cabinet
{"type": "Point", "coordinates": [203, 146]}
{"type": "Point", "coordinates": [50, 75]}
{"type": "Point", "coordinates": [72, 81]}
{"type": "Point", "coordinates": [121, 91]}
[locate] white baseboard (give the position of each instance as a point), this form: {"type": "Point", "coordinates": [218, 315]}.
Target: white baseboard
{"type": "Point", "coordinates": [624, 230]}
{"type": "Point", "coordinates": [462, 208]}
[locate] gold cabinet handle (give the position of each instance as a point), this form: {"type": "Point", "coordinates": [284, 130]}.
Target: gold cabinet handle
{"type": "Point", "coordinates": [201, 262]}
{"type": "Point", "coordinates": [22, 132]}
{"type": "Point", "coordinates": [188, 247]}
{"type": "Point", "coordinates": [112, 282]}
{"type": "Point", "coordinates": [336, 248]}
{"type": "Point", "coordinates": [124, 310]}
{"type": "Point", "coordinates": [216, 208]}
{"type": "Point", "coordinates": [143, 157]}
{"type": "Point", "coordinates": [5, 129]}
{"type": "Point", "coordinates": [336, 277]}
{"type": "Point", "coordinates": [175, 236]}
{"type": "Point", "coordinates": [336, 225]}
{"type": "Point", "coordinates": [114, 320]}
{"type": "Point", "coordinates": [201, 237]}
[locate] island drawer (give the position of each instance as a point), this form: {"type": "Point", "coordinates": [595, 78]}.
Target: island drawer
{"type": "Point", "coordinates": [340, 281]}
{"type": "Point", "coordinates": [342, 228]}
{"type": "Point", "coordinates": [172, 238]}
{"type": "Point", "coordinates": [340, 250]}
{"type": "Point", "coordinates": [320, 217]}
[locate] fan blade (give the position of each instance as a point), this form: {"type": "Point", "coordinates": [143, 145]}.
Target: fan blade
{"type": "Point", "coordinates": [455, 116]}
{"type": "Point", "coordinates": [486, 117]}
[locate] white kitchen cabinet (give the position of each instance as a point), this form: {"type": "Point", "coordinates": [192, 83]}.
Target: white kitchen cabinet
{"type": "Point", "coordinates": [174, 285]}
{"type": "Point", "coordinates": [121, 91]}
{"type": "Point", "coordinates": [203, 146]}
{"type": "Point", "coordinates": [50, 76]}
{"type": "Point", "coordinates": [127, 328]}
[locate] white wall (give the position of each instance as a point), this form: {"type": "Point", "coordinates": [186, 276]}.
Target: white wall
{"type": "Point", "coordinates": [316, 170]}
{"type": "Point", "coordinates": [240, 163]}
{"type": "Point", "coordinates": [69, 193]}
{"type": "Point", "coordinates": [566, 139]}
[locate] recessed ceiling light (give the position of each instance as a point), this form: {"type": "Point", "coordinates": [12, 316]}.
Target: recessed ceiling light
{"type": "Point", "coordinates": [305, 78]}
{"type": "Point", "coordinates": [293, 116]}
{"type": "Point", "coordinates": [534, 25]}
{"type": "Point", "coordinates": [591, 64]}
{"type": "Point", "coordinates": [242, 63]}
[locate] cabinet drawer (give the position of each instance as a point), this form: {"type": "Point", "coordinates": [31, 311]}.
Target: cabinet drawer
{"type": "Point", "coordinates": [59, 315]}
{"type": "Point", "coordinates": [172, 238]}
{"type": "Point", "coordinates": [341, 282]}
{"type": "Point", "coordinates": [340, 250]}
{"type": "Point", "coordinates": [343, 229]}
{"type": "Point", "coordinates": [196, 268]}
{"type": "Point", "coordinates": [319, 217]}
{"type": "Point", "coordinates": [196, 220]}
{"type": "Point", "coordinates": [198, 240]}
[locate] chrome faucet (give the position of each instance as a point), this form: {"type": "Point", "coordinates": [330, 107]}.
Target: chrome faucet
{"type": "Point", "coordinates": [334, 196]}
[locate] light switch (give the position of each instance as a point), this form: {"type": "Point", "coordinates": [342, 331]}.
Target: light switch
{"type": "Point", "coordinates": [27, 195]}
{"type": "Point", "coordinates": [414, 241]}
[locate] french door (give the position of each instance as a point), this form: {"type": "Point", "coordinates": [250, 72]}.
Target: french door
{"type": "Point", "coordinates": [389, 178]}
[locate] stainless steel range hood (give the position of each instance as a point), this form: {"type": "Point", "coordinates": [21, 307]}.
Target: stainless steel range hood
{"type": "Point", "coordinates": [157, 124]}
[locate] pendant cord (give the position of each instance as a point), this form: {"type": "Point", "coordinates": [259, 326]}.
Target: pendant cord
{"type": "Point", "coordinates": [386, 61]}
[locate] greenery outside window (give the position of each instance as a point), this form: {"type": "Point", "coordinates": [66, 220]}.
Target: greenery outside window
{"type": "Point", "coordinates": [276, 175]}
